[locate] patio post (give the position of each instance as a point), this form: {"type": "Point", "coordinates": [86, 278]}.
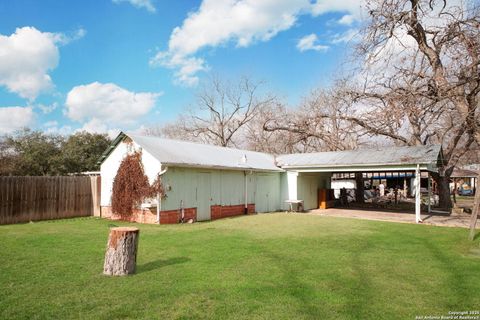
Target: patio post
{"type": "Point", "coordinates": [418, 217]}
{"type": "Point", "coordinates": [429, 193]}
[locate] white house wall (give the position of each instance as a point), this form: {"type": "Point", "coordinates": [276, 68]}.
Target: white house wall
{"type": "Point", "coordinates": [109, 168]}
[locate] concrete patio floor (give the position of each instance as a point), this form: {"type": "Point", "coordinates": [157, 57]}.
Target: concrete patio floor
{"type": "Point", "coordinates": [462, 221]}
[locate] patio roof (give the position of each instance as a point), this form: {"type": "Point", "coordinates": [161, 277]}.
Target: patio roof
{"type": "Point", "coordinates": [386, 158]}
{"type": "Point", "coordinates": [464, 173]}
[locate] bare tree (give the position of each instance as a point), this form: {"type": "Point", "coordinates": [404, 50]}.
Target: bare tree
{"type": "Point", "coordinates": [316, 125]}
{"type": "Point", "coordinates": [222, 113]}
{"type": "Point", "coordinates": [273, 142]}
{"type": "Point", "coordinates": [407, 119]}
{"type": "Point", "coordinates": [421, 77]}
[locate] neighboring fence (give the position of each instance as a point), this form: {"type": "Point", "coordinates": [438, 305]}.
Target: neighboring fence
{"type": "Point", "coordinates": [24, 199]}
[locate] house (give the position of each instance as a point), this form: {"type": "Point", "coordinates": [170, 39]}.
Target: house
{"type": "Point", "coordinates": [203, 182]}
{"type": "Point", "coordinates": [464, 181]}
{"type": "Point", "coordinates": [206, 182]}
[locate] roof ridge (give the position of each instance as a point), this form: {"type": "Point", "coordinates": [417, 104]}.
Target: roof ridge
{"type": "Point", "coordinates": [197, 143]}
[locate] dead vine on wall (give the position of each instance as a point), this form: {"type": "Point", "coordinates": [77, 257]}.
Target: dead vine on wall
{"type": "Point", "coordinates": [130, 186]}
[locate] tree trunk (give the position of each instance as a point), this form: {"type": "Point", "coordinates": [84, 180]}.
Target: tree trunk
{"type": "Point", "coordinates": [121, 254]}
{"type": "Point", "coordinates": [443, 185]}
{"type": "Point", "coordinates": [473, 221]}
{"type": "Point", "coordinates": [359, 191]}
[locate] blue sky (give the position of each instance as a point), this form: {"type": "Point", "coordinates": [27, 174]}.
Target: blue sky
{"type": "Point", "coordinates": [108, 65]}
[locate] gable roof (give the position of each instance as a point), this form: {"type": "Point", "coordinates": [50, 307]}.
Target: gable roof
{"type": "Point", "coordinates": [367, 157]}
{"type": "Point", "coordinates": [190, 154]}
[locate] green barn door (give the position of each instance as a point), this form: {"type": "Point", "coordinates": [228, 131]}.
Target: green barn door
{"type": "Point", "coordinates": [263, 193]}
{"type": "Point", "coordinates": [203, 196]}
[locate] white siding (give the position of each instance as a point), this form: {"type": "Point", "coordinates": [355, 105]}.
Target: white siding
{"type": "Point", "coordinates": [109, 168]}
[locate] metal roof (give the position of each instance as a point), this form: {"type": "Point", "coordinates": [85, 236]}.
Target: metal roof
{"type": "Point", "coordinates": [190, 154]}
{"type": "Point", "coordinates": [367, 157]}
{"type": "Point", "coordinates": [464, 173]}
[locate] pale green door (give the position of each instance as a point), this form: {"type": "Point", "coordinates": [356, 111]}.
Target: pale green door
{"type": "Point", "coordinates": [307, 191]}
{"type": "Point", "coordinates": [203, 196]}
{"type": "Point", "coordinates": [264, 197]}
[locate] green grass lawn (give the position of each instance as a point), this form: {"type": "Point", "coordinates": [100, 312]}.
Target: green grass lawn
{"type": "Point", "coordinates": [271, 266]}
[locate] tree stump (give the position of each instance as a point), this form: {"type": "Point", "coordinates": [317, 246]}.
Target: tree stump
{"type": "Point", "coordinates": [121, 254]}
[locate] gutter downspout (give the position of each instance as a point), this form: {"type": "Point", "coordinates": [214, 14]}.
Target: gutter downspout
{"type": "Point", "coordinates": [182, 212]}
{"type": "Point", "coordinates": [159, 198]}
{"type": "Point", "coordinates": [244, 161]}
{"type": "Point", "coordinates": [246, 193]}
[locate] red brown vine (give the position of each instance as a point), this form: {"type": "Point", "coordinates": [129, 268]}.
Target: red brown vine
{"type": "Point", "coordinates": [131, 186]}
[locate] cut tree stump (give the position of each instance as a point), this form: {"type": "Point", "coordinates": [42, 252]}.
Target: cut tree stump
{"type": "Point", "coordinates": [121, 254]}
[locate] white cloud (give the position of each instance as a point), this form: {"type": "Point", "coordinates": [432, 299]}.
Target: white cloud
{"type": "Point", "coordinates": [348, 36]}
{"type": "Point", "coordinates": [47, 108]}
{"type": "Point", "coordinates": [354, 7]}
{"type": "Point", "coordinates": [309, 42]}
{"type": "Point", "coordinates": [26, 58]}
{"type": "Point", "coordinates": [147, 4]}
{"type": "Point", "coordinates": [98, 126]}
{"type": "Point", "coordinates": [218, 22]}
{"type": "Point", "coordinates": [14, 118]}
{"type": "Point", "coordinates": [242, 22]}
{"type": "Point", "coordinates": [108, 103]}
{"type": "Point", "coordinates": [347, 19]}
{"type": "Point", "coordinates": [61, 130]}
{"type": "Point", "coordinates": [186, 67]}
{"type": "Point", "coordinates": [52, 127]}
{"type": "Point", "coordinates": [63, 39]}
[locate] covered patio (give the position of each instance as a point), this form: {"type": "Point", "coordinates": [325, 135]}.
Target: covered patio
{"type": "Point", "coordinates": [459, 221]}
{"type": "Point", "coordinates": [397, 161]}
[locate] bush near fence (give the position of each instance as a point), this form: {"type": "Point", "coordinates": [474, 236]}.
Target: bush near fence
{"type": "Point", "coordinates": [24, 199]}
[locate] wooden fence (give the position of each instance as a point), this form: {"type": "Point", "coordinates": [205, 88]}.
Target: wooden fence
{"type": "Point", "coordinates": [24, 199]}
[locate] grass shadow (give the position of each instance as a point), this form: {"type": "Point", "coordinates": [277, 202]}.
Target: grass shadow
{"type": "Point", "coordinates": [295, 287]}
{"type": "Point", "coordinates": [476, 236]}
{"type": "Point", "coordinates": [361, 290]}
{"type": "Point", "coordinates": [157, 264]}
{"type": "Point", "coordinates": [456, 282]}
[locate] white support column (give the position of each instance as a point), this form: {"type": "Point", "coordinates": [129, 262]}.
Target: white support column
{"type": "Point", "coordinates": [292, 185]}
{"type": "Point", "coordinates": [418, 217]}
{"type": "Point", "coordinates": [429, 193]}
